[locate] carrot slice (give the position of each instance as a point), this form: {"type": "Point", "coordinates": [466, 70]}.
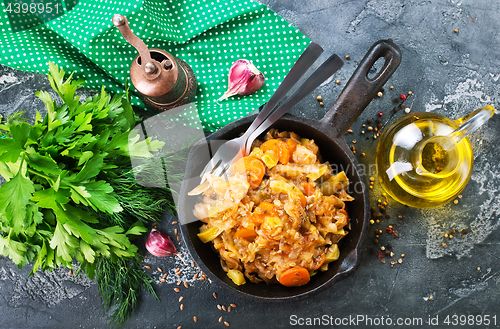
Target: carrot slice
{"type": "Point", "coordinates": [295, 276]}
{"type": "Point", "coordinates": [253, 167]}
{"type": "Point", "coordinates": [308, 188]}
{"type": "Point", "coordinates": [279, 147]}
{"type": "Point", "coordinates": [292, 145]}
{"type": "Point", "coordinates": [266, 208]}
{"type": "Point", "coordinates": [319, 261]}
{"type": "Point", "coordinates": [244, 233]}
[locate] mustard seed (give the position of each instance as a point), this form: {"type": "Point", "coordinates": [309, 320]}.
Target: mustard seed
{"type": "Point", "coordinates": [319, 98]}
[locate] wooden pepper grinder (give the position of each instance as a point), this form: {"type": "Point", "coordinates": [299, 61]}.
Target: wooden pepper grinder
{"type": "Point", "coordinates": [163, 81]}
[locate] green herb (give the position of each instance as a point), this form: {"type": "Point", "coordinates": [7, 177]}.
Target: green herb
{"type": "Point", "coordinates": [121, 280]}
{"type": "Point", "coordinates": [70, 192]}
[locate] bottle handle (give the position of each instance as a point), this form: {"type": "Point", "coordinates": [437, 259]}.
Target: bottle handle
{"type": "Point", "coordinates": [471, 122]}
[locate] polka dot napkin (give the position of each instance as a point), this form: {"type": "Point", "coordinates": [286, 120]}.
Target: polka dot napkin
{"type": "Point", "coordinates": [208, 34]}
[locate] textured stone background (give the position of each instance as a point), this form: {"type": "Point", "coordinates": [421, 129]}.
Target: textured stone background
{"type": "Point", "coordinates": [449, 73]}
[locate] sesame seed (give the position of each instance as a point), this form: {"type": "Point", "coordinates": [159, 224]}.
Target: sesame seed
{"type": "Point", "coordinates": [178, 283]}
{"type": "Point", "coordinates": [181, 307]}
{"type": "Point", "coordinates": [223, 308]}
{"type": "Point", "coordinates": [219, 307]}
{"type": "Point", "coordinates": [147, 267]}
{"type": "Point", "coordinates": [177, 289]}
{"type": "Point", "coordinates": [195, 319]}
{"type": "Point", "coordinates": [162, 280]}
{"type": "Point", "coordinates": [180, 299]}
{"type": "Point", "coordinates": [178, 239]}
{"type": "Point", "coordinates": [229, 309]}
{"type": "Point", "coordinates": [233, 305]}
{"type": "Point", "coordinates": [215, 295]}
{"type": "Point", "coordinates": [192, 264]}
{"type": "Point", "coordinates": [226, 323]}
{"type": "Point", "coordinates": [175, 231]}
{"type": "Point", "coordinates": [159, 270]}
{"type": "Point", "coordinates": [186, 285]}
{"type": "Point", "coordinates": [174, 223]}
{"type": "Point", "coordinates": [220, 319]}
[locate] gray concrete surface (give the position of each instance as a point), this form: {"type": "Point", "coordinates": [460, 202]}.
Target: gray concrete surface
{"type": "Point", "coordinates": [449, 72]}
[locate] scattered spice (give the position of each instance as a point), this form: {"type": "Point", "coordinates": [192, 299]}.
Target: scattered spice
{"type": "Point", "coordinates": [186, 285]}
{"type": "Point", "coordinates": [233, 305]}
{"type": "Point", "coordinates": [403, 97]}
{"type": "Point", "coordinates": [180, 299]}
{"type": "Point", "coordinates": [229, 309]}
{"type": "Point", "coordinates": [215, 295]}
{"type": "Point", "coordinates": [338, 81]}
{"type": "Point", "coordinates": [177, 290]}
{"type": "Point", "coordinates": [392, 87]}
{"type": "Point", "coordinates": [159, 270]}
{"type": "Point", "coordinates": [455, 30]}
{"type": "Point", "coordinates": [147, 267]}
{"type": "Point", "coordinates": [175, 231]}
{"type": "Point", "coordinates": [431, 297]}
{"type": "Point", "coordinates": [455, 201]}
{"type": "Point", "coordinates": [178, 283]}
{"type": "Point", "coordinates": [321, 104]}
{"type": "Point", "coordinates": [382, 260]}
{"type": "Point", "coordinates": [162, 280]}
{"type": "Point", "coordinates": [164, 275]}
{"type": "Point", "coordinates": [220, 319]}
{"type": "Point", "coordinates": [347, 57]}
{"type": "Point", "coordinates": [407, 110]}
{"type": "Point", "coordinates": [181, 307]}
{"type": "Point", "coordinates": [354, 141]}
{"type": "Point", "coordinates": [219, 307]}
{"type": "Point", "coordinates": [226, 323]}
{"type": "Point", "coordinates": [178, 239]}
{"type": "Point", "coordinates": [349, 130]}
{"type": "Point", "coordinates": [380, 94]}
{"type": "Point", "coordinates": [319, 98]}
{"type": "Point", "coordinates": [380, 114]}
{"type": "Point", "coordinates": [195, 319]}
{"type": "Point", "coordinates": [363, 154]}
{"type": "Point", "coordinates": [479, 269]}
{"type": "Point", "coordinates": [223, 308]}
{"type": "Point", "coordinates": [70, 271]}
{"type": "Point", "coordinates": [173, 223]}
{"type": "Point", "coordinates": [444, 244]}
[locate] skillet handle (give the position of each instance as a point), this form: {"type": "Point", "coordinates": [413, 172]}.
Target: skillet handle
{"type": "Point", "coordinates": [360, 89]}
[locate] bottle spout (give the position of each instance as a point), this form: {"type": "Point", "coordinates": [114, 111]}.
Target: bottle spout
{"type": "Point", "coordinates": [471, 122]}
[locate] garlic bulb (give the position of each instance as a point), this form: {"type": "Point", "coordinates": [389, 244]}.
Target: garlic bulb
{"type": "Point", "coordinates": [244, 79]}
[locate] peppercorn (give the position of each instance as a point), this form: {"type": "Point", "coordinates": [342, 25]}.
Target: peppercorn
{"type": "Point", "coordinates": [380, 113]}
{"type": "Point", "coordinates": [368, 121]}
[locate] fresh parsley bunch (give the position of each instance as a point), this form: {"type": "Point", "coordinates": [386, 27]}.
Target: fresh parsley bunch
{"type": "Point", "coordinates": [58, 173]}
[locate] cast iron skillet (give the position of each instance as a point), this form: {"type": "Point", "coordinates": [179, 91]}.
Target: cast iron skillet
{"type": "Point", "coordinates": [328, 133]}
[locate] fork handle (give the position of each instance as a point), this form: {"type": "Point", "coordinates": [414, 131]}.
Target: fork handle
{"type": "Point", "coordinates": [326, 70]}
{"type": "Point", "coordinates": [308, 57]}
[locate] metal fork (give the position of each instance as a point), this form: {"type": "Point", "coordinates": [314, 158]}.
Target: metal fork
{"type": "Point", "coordinates": [232, 148]}
{"type": "Point", "coordinates": [232, 151]}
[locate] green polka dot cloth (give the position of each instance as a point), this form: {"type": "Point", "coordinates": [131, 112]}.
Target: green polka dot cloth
{"type": "Point", "coordinates": [208, 34]}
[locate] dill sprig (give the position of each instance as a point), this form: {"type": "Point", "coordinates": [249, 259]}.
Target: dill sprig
{"type": "Point", "coordinates": [119, 282]}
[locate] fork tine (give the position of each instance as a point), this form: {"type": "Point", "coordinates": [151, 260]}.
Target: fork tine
{"type": "Point", "coordinates": [211, 167]}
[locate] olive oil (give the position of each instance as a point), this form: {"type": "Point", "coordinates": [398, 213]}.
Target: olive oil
{"type": "Point", "coordinates": [434, 157]}
{"type": "Point", "coordinates": [421, 174]}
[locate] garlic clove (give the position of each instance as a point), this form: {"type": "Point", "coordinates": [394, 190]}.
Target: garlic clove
{"type": "Point", "coordinates": [244, 79]}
